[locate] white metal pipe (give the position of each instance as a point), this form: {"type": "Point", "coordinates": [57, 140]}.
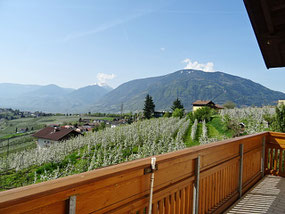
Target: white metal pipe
{"type": "Point", "coordinates": [153, 162]}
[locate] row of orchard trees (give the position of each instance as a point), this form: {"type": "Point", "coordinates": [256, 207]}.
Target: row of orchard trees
{"type": "Point", "coordinates": [149, 108]}
{"type": "Point", "coordinates": [94, 150]}
{"type": "Point", "coordinates": [255, 119]}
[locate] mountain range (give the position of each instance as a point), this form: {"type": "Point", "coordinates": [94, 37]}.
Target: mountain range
{"type": "Point", "coordinates": [187, 85]}
{"type": "Point", "coordinates": [50, 98]}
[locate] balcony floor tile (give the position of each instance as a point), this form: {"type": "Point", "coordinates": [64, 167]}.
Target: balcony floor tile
{"type": "Point", "coordinates": [268, 196]}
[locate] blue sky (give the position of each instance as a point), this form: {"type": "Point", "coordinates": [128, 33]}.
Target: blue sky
{"type": "Point", "coordinates": [77, 43]}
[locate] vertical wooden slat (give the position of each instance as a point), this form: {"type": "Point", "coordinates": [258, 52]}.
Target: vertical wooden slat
{"type": "Point", "coordinates": [283, 155]}
{"type": "Point", "coordinates": [229, 181]}
{"type": "Point", "coordinates": [216, 188]}
{"type": "Point", "coordinates": [236, 170]}
{"type": "Point", "coordinates": [266, 162]}
{"type": "Point", "coordinates": [231, 170]}
{"type": "Point", "coordinates": [210, 192]}
{"type": "Point", "coordinates": [241, 170]}
{"type": "Point", "coordinates": [177, 202]}
{"type": "Point", "coordinates": [187, 199]}
{"type": "Point", "coordinates": [167, 205]}
{"type": "Point", "coordinates": [197, 180]}
{"type": "Point", "coordinates": [263, 161]}
{"type": "Point", "coordinates": [280, 160]}
{"type": "Point", "coordinates": [206, 194]}
{"type": "Point", "coordinates": [161, 206]}
{"type": "Point", "coordinates": [213, 192]}
{"type": "Point", "coordinates": [237, 173]}
{"type": "Point", "coordinates": [271, 159]}
{"type": "Point", "coordinates": [182, 204]}
{"type": "Point", "coordinates": [172, 205]}
{"type": "Point", "coordinates": [226, 187]}
{"type": "Point", "coordinates": [155, 208]}
{"type": "Point", "coordinates": [190, 198]}
{"type": "Point", "coordinates": [275, 159]}
{"type": "Point", "coordinates": [222, 184]}
{"type": "Point", "coordinates": [219, 186]}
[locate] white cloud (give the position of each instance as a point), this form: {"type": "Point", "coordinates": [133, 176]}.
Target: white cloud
{"type": "Point", "coordinates": [208, 67]}
{"type": "Point", "coordinates": [162, 49]}
{"type": "Point", "coordinates": [103, 78]}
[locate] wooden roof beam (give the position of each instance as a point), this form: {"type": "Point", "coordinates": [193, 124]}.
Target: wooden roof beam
{"type": "Point", "coordinates": [267, 16]}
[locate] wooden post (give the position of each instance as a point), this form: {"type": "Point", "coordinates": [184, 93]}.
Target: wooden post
{"type": "Point", "coordinates": [72, 204]}
{"type": "Point", "coordinates": [240, 169]}
{"type": "Point", "coordinates": [263, 157]}
{"type": "Point", "coordinates": [196, 186]}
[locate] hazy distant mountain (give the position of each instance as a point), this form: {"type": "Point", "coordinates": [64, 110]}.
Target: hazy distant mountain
{"type": "Point", "coordinates": [9, 90]}
{"type": "Point", "coordinates": [89, 94]}
{"type": "Point", "coordinates": [50, 98]}
{"type": "Point", "coordinates": [49, 91]}
{"type": "Point", "coordinates": [188, 85]}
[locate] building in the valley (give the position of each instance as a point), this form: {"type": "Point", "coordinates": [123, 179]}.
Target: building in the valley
{"type": "Point", "coordinates": [158, 114]}
{"type": "Point", "coordinates": [205, 103]}
{"type": "Point", "coordinates": [50, 135]}
{"type": "Point", "coordinates": [281, 102]}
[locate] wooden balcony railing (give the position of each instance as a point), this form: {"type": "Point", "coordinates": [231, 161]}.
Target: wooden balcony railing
{"type": "Point", "coordinates": [274, 155]}
{"type": "Point", "coordinates": [201, 179]}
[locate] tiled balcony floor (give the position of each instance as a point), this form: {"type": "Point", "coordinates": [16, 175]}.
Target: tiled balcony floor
{"type": "Point", "coordinates": [268, 196]}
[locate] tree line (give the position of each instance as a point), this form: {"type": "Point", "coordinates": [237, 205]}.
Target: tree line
{"type": "Point", "coordinates": [149, 108]}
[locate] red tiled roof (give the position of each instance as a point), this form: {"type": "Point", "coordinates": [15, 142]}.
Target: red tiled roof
{"type": "Point", "coordinates": [52, 133]}
{"type": "Point", "coordinates": [219, 106]}
{"type": "Point", "coordinates": [202, 102]}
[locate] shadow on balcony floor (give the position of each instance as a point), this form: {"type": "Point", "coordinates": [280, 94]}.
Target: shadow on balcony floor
{"type": "Point", "coordinates": [268, 196]}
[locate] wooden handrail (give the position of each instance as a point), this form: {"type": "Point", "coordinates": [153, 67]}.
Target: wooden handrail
{"type": "Point", "coordinates": [124, 187]}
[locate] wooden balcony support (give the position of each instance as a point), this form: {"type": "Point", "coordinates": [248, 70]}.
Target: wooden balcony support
{"type": "Point", "coordinates": [196, 186]}
{"type": "Point", "coordinates": [240, 169]}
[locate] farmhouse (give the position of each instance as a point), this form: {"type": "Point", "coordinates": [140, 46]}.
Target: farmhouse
{"type": "Point", "coordinates": [158, 114]}
{"type": "Point", "coordinates": [205, 103]}
{"type": "Point", "coordinates": [281, 102]}
{"type": "Point", "coordinates": [50, 135]}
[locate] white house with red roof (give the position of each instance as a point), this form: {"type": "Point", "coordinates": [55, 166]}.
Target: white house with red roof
{"type": "Point", "coordinates": [50, 135]}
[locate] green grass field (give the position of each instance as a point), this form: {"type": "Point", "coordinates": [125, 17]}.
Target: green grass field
{"type": "Point", "coordinates": [216, 129]}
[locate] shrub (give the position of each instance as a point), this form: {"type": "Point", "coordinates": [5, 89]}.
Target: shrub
{"type": "Point", "coordinates": [280, 118]}
{"type": "Point", "coordinates": [167, 114]}
{"type": "Point", "coordinates": [229, 105]}
{"type": "Point", "coordinates": [178, 113]}
{"type": "Point", "coordinates": [204, 113]}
